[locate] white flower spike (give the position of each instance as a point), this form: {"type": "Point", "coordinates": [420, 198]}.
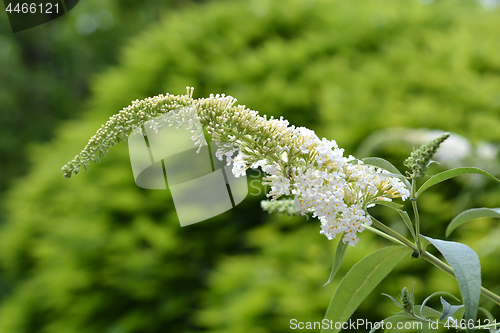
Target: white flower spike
{"type": "Point", "coordinates": [322, 181]}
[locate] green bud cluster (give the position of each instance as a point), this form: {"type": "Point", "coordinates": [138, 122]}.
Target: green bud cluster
{"type": "Point", "coordinates": [279, 207]}
{"type": "Point", "coordinates": [419, 160]}
{"type": "Point", "coordinates": [258, 137]}
{"type": "Point", "coordinates": [406, 300]}
{"type": "Point", "coordinates": [119, 126]}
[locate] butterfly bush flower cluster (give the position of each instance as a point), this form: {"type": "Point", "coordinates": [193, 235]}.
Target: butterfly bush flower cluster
{"type": "Point", "coordinates": [322, 181]}
{"type": "Point", "coordinates": [336, 189]}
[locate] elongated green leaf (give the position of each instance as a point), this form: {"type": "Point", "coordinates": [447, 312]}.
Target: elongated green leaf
{"type": "Point", "coordinates": [406, 219]}
{"type": "Point", "coordinates": [493, 323]}
{"type": "Point", "coordinates": [386, 165]}
{"type": "Point", "coordinates": [442, 176]}
{"type": "Point", "coordinates": [389, 204]}
{"type": "Point", "coordinates": [469, 215]}
{"type": "Point", "coordinates": [394, 300]}
{"type": "Point", "coordinates": [487, 313]}
{"type": "Point", "coordinates": [360, 281]}
{"type": "Point", "coordinates": [381, 163]}
{"type": "Point", "coordinates": [337, 260]}
{"type": "Point", "coordinates": [467, 268]}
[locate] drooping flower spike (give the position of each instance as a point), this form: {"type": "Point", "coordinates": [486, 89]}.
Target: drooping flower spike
{"type": "Point", "coordinates": [297, 163]}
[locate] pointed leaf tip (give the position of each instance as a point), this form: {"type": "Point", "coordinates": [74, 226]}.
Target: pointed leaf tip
{"type": "Point", "coordinates": [467, 268]}
{"type": "Point", "coordinates": [469, 215]}
{"type": "Point", "coordinates": [442, 176]}
{"type": "Point", "coordinates": [360, 281]}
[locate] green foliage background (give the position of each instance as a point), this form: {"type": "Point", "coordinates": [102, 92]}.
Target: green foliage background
{"type": "Point", "coordinates": [95, 253]}
{"type": "Point", "coordinates": [46, 70]}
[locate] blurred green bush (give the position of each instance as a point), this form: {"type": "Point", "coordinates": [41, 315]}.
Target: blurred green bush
{"type": "Point", "coordinates": [97, 254]}
{"type": "Point", "coordinates": [46, 70]}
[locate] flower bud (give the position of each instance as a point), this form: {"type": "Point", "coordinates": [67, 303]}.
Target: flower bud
{"type": "Point", "coordinates": [419, 160]}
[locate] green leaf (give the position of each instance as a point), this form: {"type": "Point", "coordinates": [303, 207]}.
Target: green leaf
{"type": "Point", "coordinates": [467, 268]}
{"type": "Point", "coordinates": [487, 313]}
{"type": "Point", "coordinates": [389, 204]}
{"type": "Point", "coordinates": [381, 163]}
{"type": "Point", "coordinates": [386, 165]}
{"type": "Point", "coordinates": [448, 309]}
{"type": "Point", "coordinates": [427, 312]}
{"type": "Point", "coordinates": [442, 176]}
{"type": "Point", "coordinates": [469, 215]}
{"type": "Point", "coordinates": [337, 260]}
{"type": "Point", "coordinates": [438, 293]}
{"type": "Point", "coordinates": [360, 281]}
{"type": "Point", "coordinates": [493, 322]}
{"type": "Point", "coordinates": [406, 219]}
{"type": "Point", "coordinates": [394, 300]}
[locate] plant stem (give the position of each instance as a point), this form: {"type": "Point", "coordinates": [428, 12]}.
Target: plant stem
{"type": "Point", "coordinates": [400, 238]}
{"type": "Point", "coordinates": [448, 270]}
{"type": "Point", "coordinates": [415, 211]}
{"type": "Point", "coordinates": [383, 234]}
{"type": "Point", "coordinates": [395, 237]}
